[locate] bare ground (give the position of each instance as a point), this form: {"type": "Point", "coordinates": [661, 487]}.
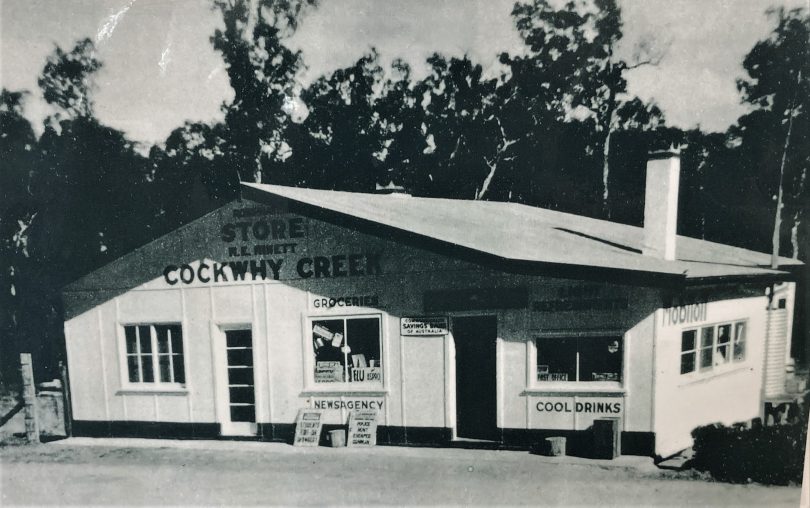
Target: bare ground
{"type": "Point", "coordinates": [152, 472]}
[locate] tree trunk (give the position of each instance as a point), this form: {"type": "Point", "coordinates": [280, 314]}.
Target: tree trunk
{"type": "Point", "coordinates": [606, 174]}
{"type": "Point", "coordinates": [777, 223]}
{"type": "Point", "coordinates": [794, 234]}
{"type": "Point", "coordinates": [487, 181]}
{"type": "Point", "coordinates": [608, 128]}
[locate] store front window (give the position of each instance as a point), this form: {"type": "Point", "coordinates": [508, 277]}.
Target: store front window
{"type": "Point", "coordinates": [347, 350]}
{"type": "Point", "coordinates": [579, 359]}
{"type": "Point", "coordinates": [718, 345]}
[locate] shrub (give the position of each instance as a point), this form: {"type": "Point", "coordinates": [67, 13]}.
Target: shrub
{"type": "Point", "coordinates": [771, 455]}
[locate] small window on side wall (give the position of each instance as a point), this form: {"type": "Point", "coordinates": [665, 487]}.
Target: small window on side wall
{"type": "Point", "coordinates": [347, 350]}
{"type": "Point", "coordinates": [712, 346]}
{"type": "Point", "coordinates": [154, 354]}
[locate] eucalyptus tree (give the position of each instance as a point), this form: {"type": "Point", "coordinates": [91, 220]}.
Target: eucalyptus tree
{"type": "Point", "coordinates": [89, 179]}
{"type": "Point", "coordinates": [572, 73]}
{"type": "Point", "coordinates": [775, 136]}
{"type": "Point", "coordinates": [262, 72]}
{"type": "Point", "coordinates": [72, 201]}
{"type": "Point", "coordinates": [463, 136]}
{"type": "Point", "coordinates": [403, 131]}
{"type": "Point", "coordinates": [187, 176]}
{"type": "Point", "coordinates": [17, 210]}
{"type": "Point", "coordinates": [335, 145]}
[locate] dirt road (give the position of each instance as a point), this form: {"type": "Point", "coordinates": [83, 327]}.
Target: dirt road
{"type": "Point", "coordinates": [141, 472]}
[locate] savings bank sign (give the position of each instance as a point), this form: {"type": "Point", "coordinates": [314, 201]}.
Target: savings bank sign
{"type": "Point", "coordinates": [268, 248]}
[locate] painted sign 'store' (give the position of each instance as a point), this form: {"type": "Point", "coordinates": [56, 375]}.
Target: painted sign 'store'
{"type": "Point", "coordinates": [276, 229]}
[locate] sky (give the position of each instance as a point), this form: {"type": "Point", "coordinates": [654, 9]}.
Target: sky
{"type": "Point", "coordinates": [161, 70]}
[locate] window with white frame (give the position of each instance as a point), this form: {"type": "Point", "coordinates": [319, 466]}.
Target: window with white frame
{"type": "Point", "coordinates": [154, 353]}
{"type": "Point", "coordinates": [346, 349]}
{"type": "Point", "coordinates": [708, 347]}
{"type": "Point", "coordinates": [579, 359]}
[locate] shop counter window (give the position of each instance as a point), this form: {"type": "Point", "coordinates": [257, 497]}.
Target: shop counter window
{"type": "Point", "coordinates": [578, 359]}
{"type": "Point", "coordinates": [706, 348]}
{"type": "Point", "coordinates": [347, 350]}
{"type": "Point", "coordinates": [154, 353]}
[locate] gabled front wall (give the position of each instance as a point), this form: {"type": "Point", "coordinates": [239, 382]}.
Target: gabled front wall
{"type": "Point", "coordinates": [172, 280]}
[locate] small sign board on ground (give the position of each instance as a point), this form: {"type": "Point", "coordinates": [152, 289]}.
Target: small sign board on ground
{"type": "Point", "coordinates": [362, 428]}
{"type": "Point", "coordinates": [308, 426]}
{"type": "Point", "coordinates": [425, 325]}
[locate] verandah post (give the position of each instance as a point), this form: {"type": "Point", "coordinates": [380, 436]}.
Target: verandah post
{"type": "Point", "coordinates": [29, 395]}
{"type": "Point", "coordinates": [68, 409]}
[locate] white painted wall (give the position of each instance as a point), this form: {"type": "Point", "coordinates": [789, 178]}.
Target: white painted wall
{"type": "Point", "coordinates": [726, 394]}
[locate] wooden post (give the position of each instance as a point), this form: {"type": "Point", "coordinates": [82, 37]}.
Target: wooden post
{"type": "Point", "coordinates": [67, 408]}
{"type": "Point", "coordinates": [29, 394]}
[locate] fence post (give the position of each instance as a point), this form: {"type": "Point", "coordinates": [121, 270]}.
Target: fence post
{"type": "Point", "coordinates": [67, 409]}
{"type": "Point", "coordinates": [29, 393]}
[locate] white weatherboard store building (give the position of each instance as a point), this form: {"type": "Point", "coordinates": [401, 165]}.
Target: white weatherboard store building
{"type": "Point", "coordinates": [454, 320]}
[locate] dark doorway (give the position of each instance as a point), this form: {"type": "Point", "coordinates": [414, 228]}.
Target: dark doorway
{"type": "Point", "coordinates": [242, 399]}
{"type": "Point", "coordinates": [476, 399]}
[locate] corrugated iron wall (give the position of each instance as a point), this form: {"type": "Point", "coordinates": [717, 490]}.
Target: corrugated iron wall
{"type": "Point", "coordinates": [776, 350]}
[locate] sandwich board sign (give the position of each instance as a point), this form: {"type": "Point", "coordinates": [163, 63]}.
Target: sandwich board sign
{"type": "Point", "coordinates": [362, 428]}
{"type": "Point", "coordinates": [308, 426]}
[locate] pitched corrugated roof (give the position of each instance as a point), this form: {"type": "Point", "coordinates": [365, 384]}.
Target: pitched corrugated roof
{"type": "Point", "coordinates": [519, 232]}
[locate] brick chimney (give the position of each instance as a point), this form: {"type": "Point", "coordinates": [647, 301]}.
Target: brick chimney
{"type": "Point", "coordinates": [661, 204]}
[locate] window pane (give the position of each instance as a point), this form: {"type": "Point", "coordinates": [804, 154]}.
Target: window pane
{"type": "Point", "coordinates": [162, 339]}
{"type": "Point", "coordinates": [148, 370]}
{"type": "Point", "coordinates": [240, 357]}
{"type": "Point", "coordinates": [241, 394]}
{"type": "Point", "coordinates": [240, 376]}
{"type": "Point", "coordinates": [600, 358]}
{"type": "Point", "coordinates": [707, 337]}
{"type": "Point", "coordinates": [557, 359]}
{"type": "Point", "coordinates": [739, 342]}
{"type": "Point", "coordinates": [132, 345]}
{"type": "Point", "coordinates": [144, 336]}
{"type": "Point", "coordinates": [706, 347]}
{"type": "Point", "coordinates": [363, 339]}
{"type": "Point", "coordinates": [238, 338]}
{"type": "Point", "coordinates": [179, 371]}
{"type": "Point", "coordinates": [132, 367]}
{"type": "Point", "coordinates": [688, 340]}
{"type": "Point", "coordinates": [723, 342]}
{"type": "Point", "coordinates": [687, 362]}
{"type": "Point", "coordinates": [327, 339]}
{"type": "Point", "coordinates": [722, 355]}
{"type": "Point", "coordinates": [243, 414]}
{"type": "Point", "coordinates": [724, 334]}
{"type": "Point", "coordinates": [165, 368]}
{"type": "Point", "coordinates": [176, 333]}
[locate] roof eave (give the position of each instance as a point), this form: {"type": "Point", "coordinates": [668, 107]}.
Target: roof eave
{"type": "Point", "coordinates": [767, 278]}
